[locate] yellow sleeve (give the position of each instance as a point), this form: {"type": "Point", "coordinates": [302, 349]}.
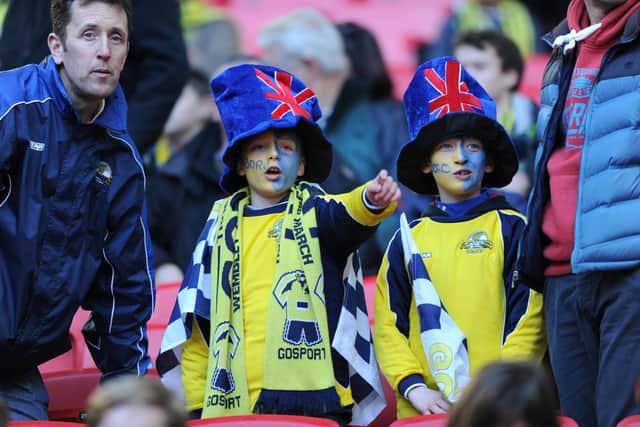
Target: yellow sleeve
{"type": "Point", "coordinates": [393, 350]}
{"type": "Point", "coordinates": [354, 203]}
{"type": "Point", "coordinates": [529, 339]}
{"type": "Point", "coordinates": [194, 362]}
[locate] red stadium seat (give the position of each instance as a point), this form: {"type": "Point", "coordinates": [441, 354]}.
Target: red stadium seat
{"type": "Point", "coordinates": [435, 420]}
{"type": "Point", "coordinates": [565, 421]}
{"type": "Point", "coordinates": [532, 76]}
{"type": "Point", "coordinates": [75, 369]}
{"type": "Point", "coordinates": [440, 420]}
{"type": "Point", "coordinates": [369, 284]}
{"type": "Point", "coordinates": [630, 421]}
{"type": "Point", "coordinates": [263, 421]}
{"type": "Point", "coordinates": [388, 414]}
{"type": "Point", "coordinates": [44, 424]}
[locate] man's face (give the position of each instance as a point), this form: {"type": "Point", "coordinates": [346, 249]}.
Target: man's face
{"type": "Point", "coordinates": [458, 166]}
{"type": "Point", "coordinates": [271, 161]}
{"type": "Point", "coordinates": [485, 66]}
{"type": "Point", "coordinates": [94, 51]}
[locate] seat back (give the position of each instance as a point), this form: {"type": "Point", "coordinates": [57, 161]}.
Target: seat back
{"type": "Point", "coordinates": [263, 420]}
{"type": "Point", "coordinates": [565, 421]}
{"type": "Point", "coordinates": [630, 421]}
{"type": "Point", "coordinates": [44, 424]}
{"type": "Point", "coordinates": [434, 420]}
{"type": "Point", "coordinates": [75, 370]}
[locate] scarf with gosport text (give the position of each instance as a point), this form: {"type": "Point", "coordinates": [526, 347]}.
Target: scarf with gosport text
{"type": "Point", "coordinates": [298, 373]}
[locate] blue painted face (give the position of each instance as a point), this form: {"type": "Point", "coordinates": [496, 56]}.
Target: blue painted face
{"type": "Point", "coordinates": [458, 166]}
{"type": "Point", "coordinates": [271, 162]}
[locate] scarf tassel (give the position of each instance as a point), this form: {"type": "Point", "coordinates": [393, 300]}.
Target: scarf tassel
{"type": "Point", "coordinates": [310, 403]}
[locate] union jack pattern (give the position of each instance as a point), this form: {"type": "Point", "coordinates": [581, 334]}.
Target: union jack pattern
{"type": "Point", "coordinates": [454, 93]}
{"type": "Point", "coordinates": [289, 102]}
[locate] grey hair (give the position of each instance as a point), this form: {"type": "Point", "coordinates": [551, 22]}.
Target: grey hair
{"type": "Point", "coordinates": [307, 34]}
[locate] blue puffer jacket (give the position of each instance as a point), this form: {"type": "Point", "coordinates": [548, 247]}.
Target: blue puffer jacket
{"type": "Point", "coordinates": [607, 229]}
{"type": "Point", "coordinates": [72, 227]}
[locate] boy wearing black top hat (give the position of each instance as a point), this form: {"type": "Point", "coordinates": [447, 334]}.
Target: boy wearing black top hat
{"type": "Point", "coordinates": [467, 241]}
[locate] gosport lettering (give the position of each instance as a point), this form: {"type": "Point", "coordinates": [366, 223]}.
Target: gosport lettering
{"type": "Point", "coordinates": [226, 402]}
{"type": "Point", "coordinates": [297, 353]}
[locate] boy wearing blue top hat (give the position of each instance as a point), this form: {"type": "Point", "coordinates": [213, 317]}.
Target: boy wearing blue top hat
{"type": "Point", "coordinates": [280, 319]}
{"type": "Point", "coordinates": [467, 241]}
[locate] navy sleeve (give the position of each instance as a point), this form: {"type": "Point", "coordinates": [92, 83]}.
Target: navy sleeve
{"type": "Point", "coordinates": [122, 298]}
{"type": "Point", "coordinates": [517, 295]}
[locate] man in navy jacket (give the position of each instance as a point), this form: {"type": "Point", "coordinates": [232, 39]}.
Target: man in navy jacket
{"type": "Point", "coordinates": [72, 216]}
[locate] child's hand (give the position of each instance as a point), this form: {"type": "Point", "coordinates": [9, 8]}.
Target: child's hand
{"type": "Point", "coordinates": [428, 401]}
{"type": "Point", "coordinates": [382, 190]}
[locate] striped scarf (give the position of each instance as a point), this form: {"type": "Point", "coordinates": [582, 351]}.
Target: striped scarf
{"type": "Point", "coordinates": [444, 344]}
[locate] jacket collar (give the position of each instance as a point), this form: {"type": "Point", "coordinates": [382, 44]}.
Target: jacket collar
{"type": "Point", "coordinates": [496, 201]}
{"type": "Point", "coordinates": [114, 115]}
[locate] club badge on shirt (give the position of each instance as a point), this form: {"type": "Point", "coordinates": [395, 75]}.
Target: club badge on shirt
{"type": "Point", "coordinates": [104, 174]}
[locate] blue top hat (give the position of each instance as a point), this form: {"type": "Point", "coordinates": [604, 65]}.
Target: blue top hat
{"type": "Point", "coordinates": [443, 101]}
{"type": "Point", "coordinates": [254, 98]}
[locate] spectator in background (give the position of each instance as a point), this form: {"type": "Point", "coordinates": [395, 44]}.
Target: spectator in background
{"type": "Point", "coordinates": [506, 394]}
{"type": "Point", "coordinates": [367, 65]}
{"type": "Point", "coordinates": [182, 191]}
{"type": "Point", "coordinates": [308, 45]}
{"type": "Point", "coordinates": [156, 69]}
{"type": "Point", "coordinates": [136, 402]}
{"type": "Point", "coordinates": [581, 242]}
{"type": "Point", "coordinates": [72, 211]}
{"type": "Point", "coordinates": [200, 22]}
{"type": "Point", "coordinates": [509, 16]}
{"type": "Point", "coordinates": [495, 61]}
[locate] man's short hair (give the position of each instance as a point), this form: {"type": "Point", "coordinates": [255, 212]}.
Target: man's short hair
{"type": "Point", "coordinates": [61, 14]}
{"type": "Point", "coordinates": [133, 390]}
{"type": "Point", "coordinates": [505, 48]}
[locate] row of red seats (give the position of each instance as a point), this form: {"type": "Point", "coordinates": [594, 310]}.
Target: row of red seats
{"type": "Point", "coordinates": [75, 369]}
{"type": "Point", "coordinates": [439, 420]}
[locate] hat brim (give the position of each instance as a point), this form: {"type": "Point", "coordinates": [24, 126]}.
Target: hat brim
{"type": "Point", "coordinates": [316, 151]}
{"type": "Point", "coordinates": [495, 139]}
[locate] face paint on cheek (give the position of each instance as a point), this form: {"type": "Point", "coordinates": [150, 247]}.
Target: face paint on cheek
{"type": "Point", "coordinates": [475, 162]}
{"type": "Point", "coordinates": [441, 168]}
{"type": "Point", "coordinates": [259, 165]}
{"type": "Point", "coordinates": [289, 166]}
